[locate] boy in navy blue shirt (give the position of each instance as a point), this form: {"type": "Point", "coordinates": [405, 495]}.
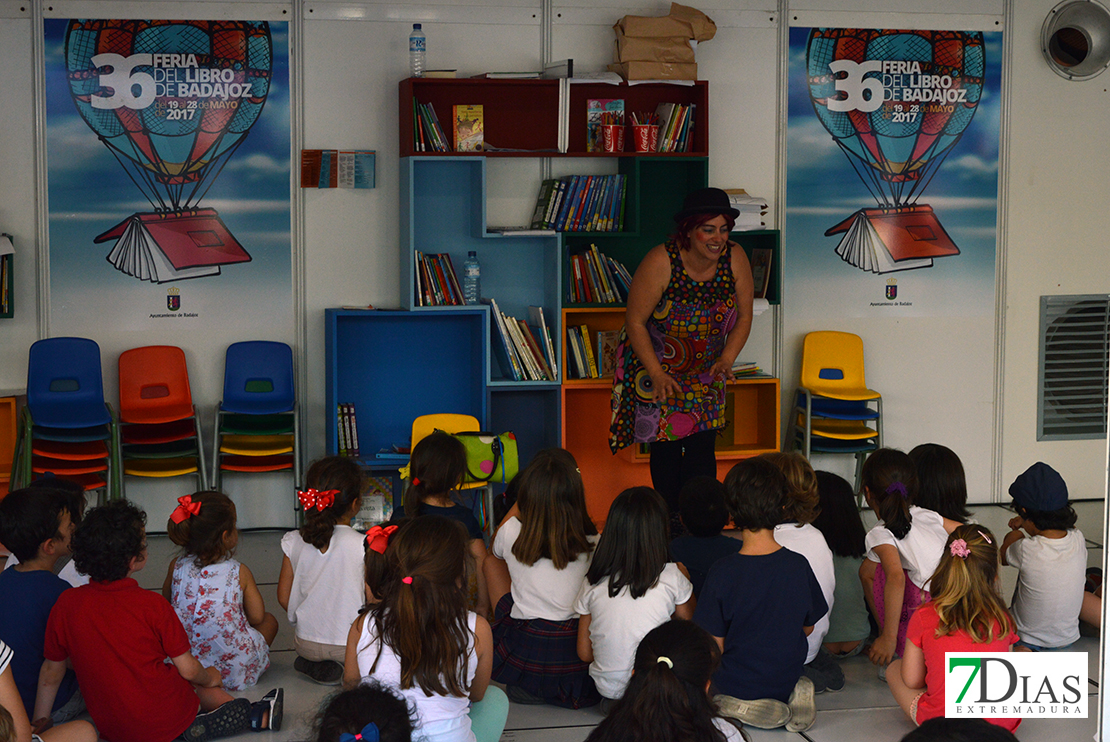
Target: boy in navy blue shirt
{"type": "Point", "coordinates": [704, 514]}
{"type": "Point", "coordinates": [36, 524]}
{"type": "Point", "coordinates": [760, 604]}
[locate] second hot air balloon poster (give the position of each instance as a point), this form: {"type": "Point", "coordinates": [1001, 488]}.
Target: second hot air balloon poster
{"type": "Point", "coordinates": [168, 174]}
{"type": "Point", "coordinates": [892, 170]}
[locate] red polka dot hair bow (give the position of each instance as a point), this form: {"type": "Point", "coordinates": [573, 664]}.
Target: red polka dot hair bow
{"type": "Point", "coordinates": [311, 498]}
{"type": "Point", "coordinates": [377, 538]}
{"type": "Point", "coordinates": [185, 509]}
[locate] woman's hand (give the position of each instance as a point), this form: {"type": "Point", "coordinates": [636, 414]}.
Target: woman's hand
{"type": "Point", "coordinates": [663, 386]}
{"type": "Point", "coordinates": [721, 370]}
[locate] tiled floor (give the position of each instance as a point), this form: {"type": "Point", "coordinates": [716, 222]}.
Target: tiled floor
{"type": "Point", "coordinates": [863, 712]}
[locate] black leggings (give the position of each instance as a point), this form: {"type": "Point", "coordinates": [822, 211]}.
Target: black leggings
{"type": "Point", "coordinates": [673, 463]}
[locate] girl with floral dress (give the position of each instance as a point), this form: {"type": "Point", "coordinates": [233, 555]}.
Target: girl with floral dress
{"type": "Point", "coordinates": [215, 596]}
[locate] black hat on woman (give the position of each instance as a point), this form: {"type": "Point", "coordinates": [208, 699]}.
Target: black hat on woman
{"type": "Point", "coordinates": [706, 201]}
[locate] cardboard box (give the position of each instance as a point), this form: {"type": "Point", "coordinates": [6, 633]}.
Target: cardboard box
{"type": "Point", "coordinates": [661, 49]}
{"type": "Point", "coordinates": [655, 70]}
{"type": "Point", "coordinates": [682, 21]}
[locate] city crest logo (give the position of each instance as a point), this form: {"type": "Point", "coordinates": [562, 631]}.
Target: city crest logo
{"type": "Point", "coordinates": [1030, 684]}
{"type": "Point", "coordinates": [891, 289]}
{"type": "Point", "coordinates": [173, 299]}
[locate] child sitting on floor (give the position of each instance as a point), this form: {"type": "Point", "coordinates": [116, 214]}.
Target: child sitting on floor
{"type": "Point", "coordinates": [964, 614]}
{"type": "Point", "coordinates": [37, 525]}
{"type": "Point", "coordinates": [760, 605]}
{"type": "Point", "coordinates": [321, 582]}
{"type": "Point", "coordinates": [367, 712]}
{"type": "Point", "coordinates": [1051, 562]}
{"type": "Point", "coordinates": [437, 467]}
{"type": "Point", "coordinates": [630, 588]}
{"type": "Point", "coordinates": [117, 635]}
{"type": "Point", "coordinates": [214, 595]}
{"type": "Point", "coordinates": [704, 515]}
{"type": "Point", "coordinates": [542, 551]}
{"type": "Point", "coordinates": [839, 521]}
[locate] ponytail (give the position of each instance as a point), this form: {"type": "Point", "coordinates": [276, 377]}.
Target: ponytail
{"type": "Point", "coordinates": [437, 466]}
{"type": "Point", "coordinates": [198, 525]}
{"type": "Point", "coordinates": [333, 484]}
{"type": "Point", "coordinates": [889, 477]}
{"type": "Point", "coordinates": [963, 586]}
{"type": "Point", "coordinates": [666, 699]}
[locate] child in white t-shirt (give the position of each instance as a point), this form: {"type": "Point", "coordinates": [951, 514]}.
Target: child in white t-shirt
{"type": "Point", "coordinates": [1051, 562]}
{"type": "Point", "coordinates": [630, 588]}
{"type": "Point", "coordinates": [321, 580]}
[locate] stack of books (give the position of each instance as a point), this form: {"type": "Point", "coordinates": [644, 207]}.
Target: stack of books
{"type": "Point", "coordinates": [348, 431]}
{"type": "Point", "coordinates": [597, 279]}
{"type": "Point", "coordinates": [437, 285]}
{"type": "Point", "coordinates": [525, 351]}
{"type": "Point", "coordinates": [752, 209]}
{"type": "Point", "coordinates": [582, 363]}
{"type": "Point", "coordinates": [676, 123]}
{"type": "Point", "coordinates": [581, 203]}
{"type": "Point", "coordinates": [742, 369]}
{"type": "Point", "coordinates": [427, 134]}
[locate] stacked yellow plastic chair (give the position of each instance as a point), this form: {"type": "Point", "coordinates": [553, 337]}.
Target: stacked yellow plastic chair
{"type": "Point", "coordinates": [834, 411]}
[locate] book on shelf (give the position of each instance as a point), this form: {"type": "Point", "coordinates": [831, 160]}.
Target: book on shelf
{"type": "Point", "coordinates": [348, 432]}
{"type": "Point", "coordinates": [353, 448]}
{"type": "Point", "coordinates": [468, 126]}
{"type": "Point", "coordinates": [509, 75]}
{"type": "Point", "coordinates": [436, 283]}
{"type": "Point", "coordinates": [534, 348]}
{"type": "Point", "coordinates": [517, 348]}
{"type": "Point", "coordinates": [591, 362]}
{"type": "Point", "coordinates": [427, 133]}
{"type": "Point", "coordinates": [752, 209]}
{"type": "Point", "coordinates": [581, 203]}
{"type": "Point", "coordinates": [503, 351]}
{"type": "Point", "coordinates": [576, 358]}
{"type": "Point", "coordinates": [342, 440]}
{"type": "Point", "coordinates": [535, 314]}
{"type": "Point", "coordinates": [742, 369]}
{"type": "Point", "coordinates": [607, 341]}
{"type": "Point", "coordinates": [594, 277]}
{"type": "Point", "coordinates": [601, 111]}
{"type": "Point", "coordinates": [563, 68]}
{"type": "Point", "coordinates": [440, 73]}
{"type": "Point", "coordinates": [676, 125]}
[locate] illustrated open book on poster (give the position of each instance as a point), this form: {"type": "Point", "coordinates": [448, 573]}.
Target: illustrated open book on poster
{"type": "Point", "coordinates": [888, 240]}
{"type": "Point", "coordinates": [173, 246]}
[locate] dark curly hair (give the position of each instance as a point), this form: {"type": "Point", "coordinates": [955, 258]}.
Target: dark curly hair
{"type": "Point", "coordinates": [109, 537]}
{"type": "Point", "coordinates": [350, 711]}
{"type": "Point", "coordinates": [330, 473]}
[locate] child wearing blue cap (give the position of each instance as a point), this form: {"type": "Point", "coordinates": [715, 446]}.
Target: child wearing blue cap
{"type": "Point", "coordinates": [1050, 554]}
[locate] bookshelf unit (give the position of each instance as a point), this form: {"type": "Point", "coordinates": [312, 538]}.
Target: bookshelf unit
{"type": "Point", "coordinates": [395, 365]}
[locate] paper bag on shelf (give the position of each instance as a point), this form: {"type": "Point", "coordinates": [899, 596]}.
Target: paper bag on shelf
{"type": "Point", "coordinates": [661, 49]}
{"type": "Point", "coordinates": [683, 21]}
{"type": "Point", "coordinates": [655, 70]}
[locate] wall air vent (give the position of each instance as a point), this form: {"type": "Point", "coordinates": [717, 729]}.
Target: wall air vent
{"type": "Point", "coordinates": [1072, 379]}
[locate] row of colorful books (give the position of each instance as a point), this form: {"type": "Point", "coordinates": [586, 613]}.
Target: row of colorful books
{"type": "Point", "coordinates": [581, 361]}
{"type": "Point", "coordinates": [348, 430]}
{"type": "Point", "coordinates": [437, 284]}
{"type": "Point", "coordinates": [597, 279]}
{"type": "Point", "coordinates": [742, 369]}
{"type": "Point", "coordinates": [525, 351]}
{"type": "Point", "coordinates": [581, 203]}
{"type": "Point", "coordinates": [676, 123]}
{"type": "Point", "coordinates": [427, 133]}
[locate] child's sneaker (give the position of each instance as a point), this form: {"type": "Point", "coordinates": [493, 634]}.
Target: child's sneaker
{"type": "Point", "coordinates": [803, 709]}
{"type": "Point", "coordinates": [267, 713]}
{"type": "Point", "coordinates": [324, 672]}
{"type": "Point", "coordinates": [739, 726]}
{"type": "Point", "coordinates": [231, 718]}
{"type": "Point", "coordinates": [763, 713]}
{"type": "Point", "coordinates": [825, 668]}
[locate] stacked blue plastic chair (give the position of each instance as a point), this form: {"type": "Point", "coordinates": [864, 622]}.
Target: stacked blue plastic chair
{"type": "Point", "coordinates": [256, 421]}
{"type": "Point", "coordinates": [67, 428]}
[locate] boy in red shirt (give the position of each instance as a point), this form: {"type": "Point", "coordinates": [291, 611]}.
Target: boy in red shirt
{"type": "Point", "coordinates": [118, 635]}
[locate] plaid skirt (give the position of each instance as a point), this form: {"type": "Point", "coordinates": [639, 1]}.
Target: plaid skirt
{"type": "Point", "coordinates": [541, 658]}
{"type": "Point", "coordinates": [911, 600]}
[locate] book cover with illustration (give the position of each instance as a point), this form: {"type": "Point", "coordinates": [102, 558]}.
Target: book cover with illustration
{"type": "Point", "coordinates": [469, 129]}
{"type": "Point", "coordinates": [601, 111]}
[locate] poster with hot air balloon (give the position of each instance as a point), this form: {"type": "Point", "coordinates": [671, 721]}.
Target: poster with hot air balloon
{"type": "Point", "coordinates": [168, 172]}
{"type": "Point", "coordinates": [892, 169]}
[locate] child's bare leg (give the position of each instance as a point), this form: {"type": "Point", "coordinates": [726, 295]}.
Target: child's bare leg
{"type": "Point", "coordinates": [1091, 610]}
{"type": "Point", "coordinates": [841, 647]}
{"type": "Point", "coordinates": [479, 554]}
{"type": "Point", "coordinates": [71, 731]}
{"type": "Point", "coordinates": [212, 698]}
{"type": "Point", "coordinates": [903, 694]}
{"type": "Point", "coordinates": [268, 627]}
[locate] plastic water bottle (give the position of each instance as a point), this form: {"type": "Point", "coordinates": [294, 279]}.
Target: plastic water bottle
{"type": "Point", "coordinates": [418, 45]}
{"type": "Point", "coordinates": [472, 279]}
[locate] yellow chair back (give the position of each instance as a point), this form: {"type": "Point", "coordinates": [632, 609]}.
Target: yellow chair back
{"type": "Point", "coordinates": [832, 366]}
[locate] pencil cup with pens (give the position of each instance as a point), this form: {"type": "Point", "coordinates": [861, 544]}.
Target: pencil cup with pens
{"type": "Point", "coordinates": [645, 132]}
{"type": "Point", "coordinates": [612, 131]}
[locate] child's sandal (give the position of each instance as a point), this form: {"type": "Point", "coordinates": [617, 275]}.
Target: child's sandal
{"type": "Point", "coordinates": [267, 713]}
{"type": "Point", "coordinates": [230, 719]}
